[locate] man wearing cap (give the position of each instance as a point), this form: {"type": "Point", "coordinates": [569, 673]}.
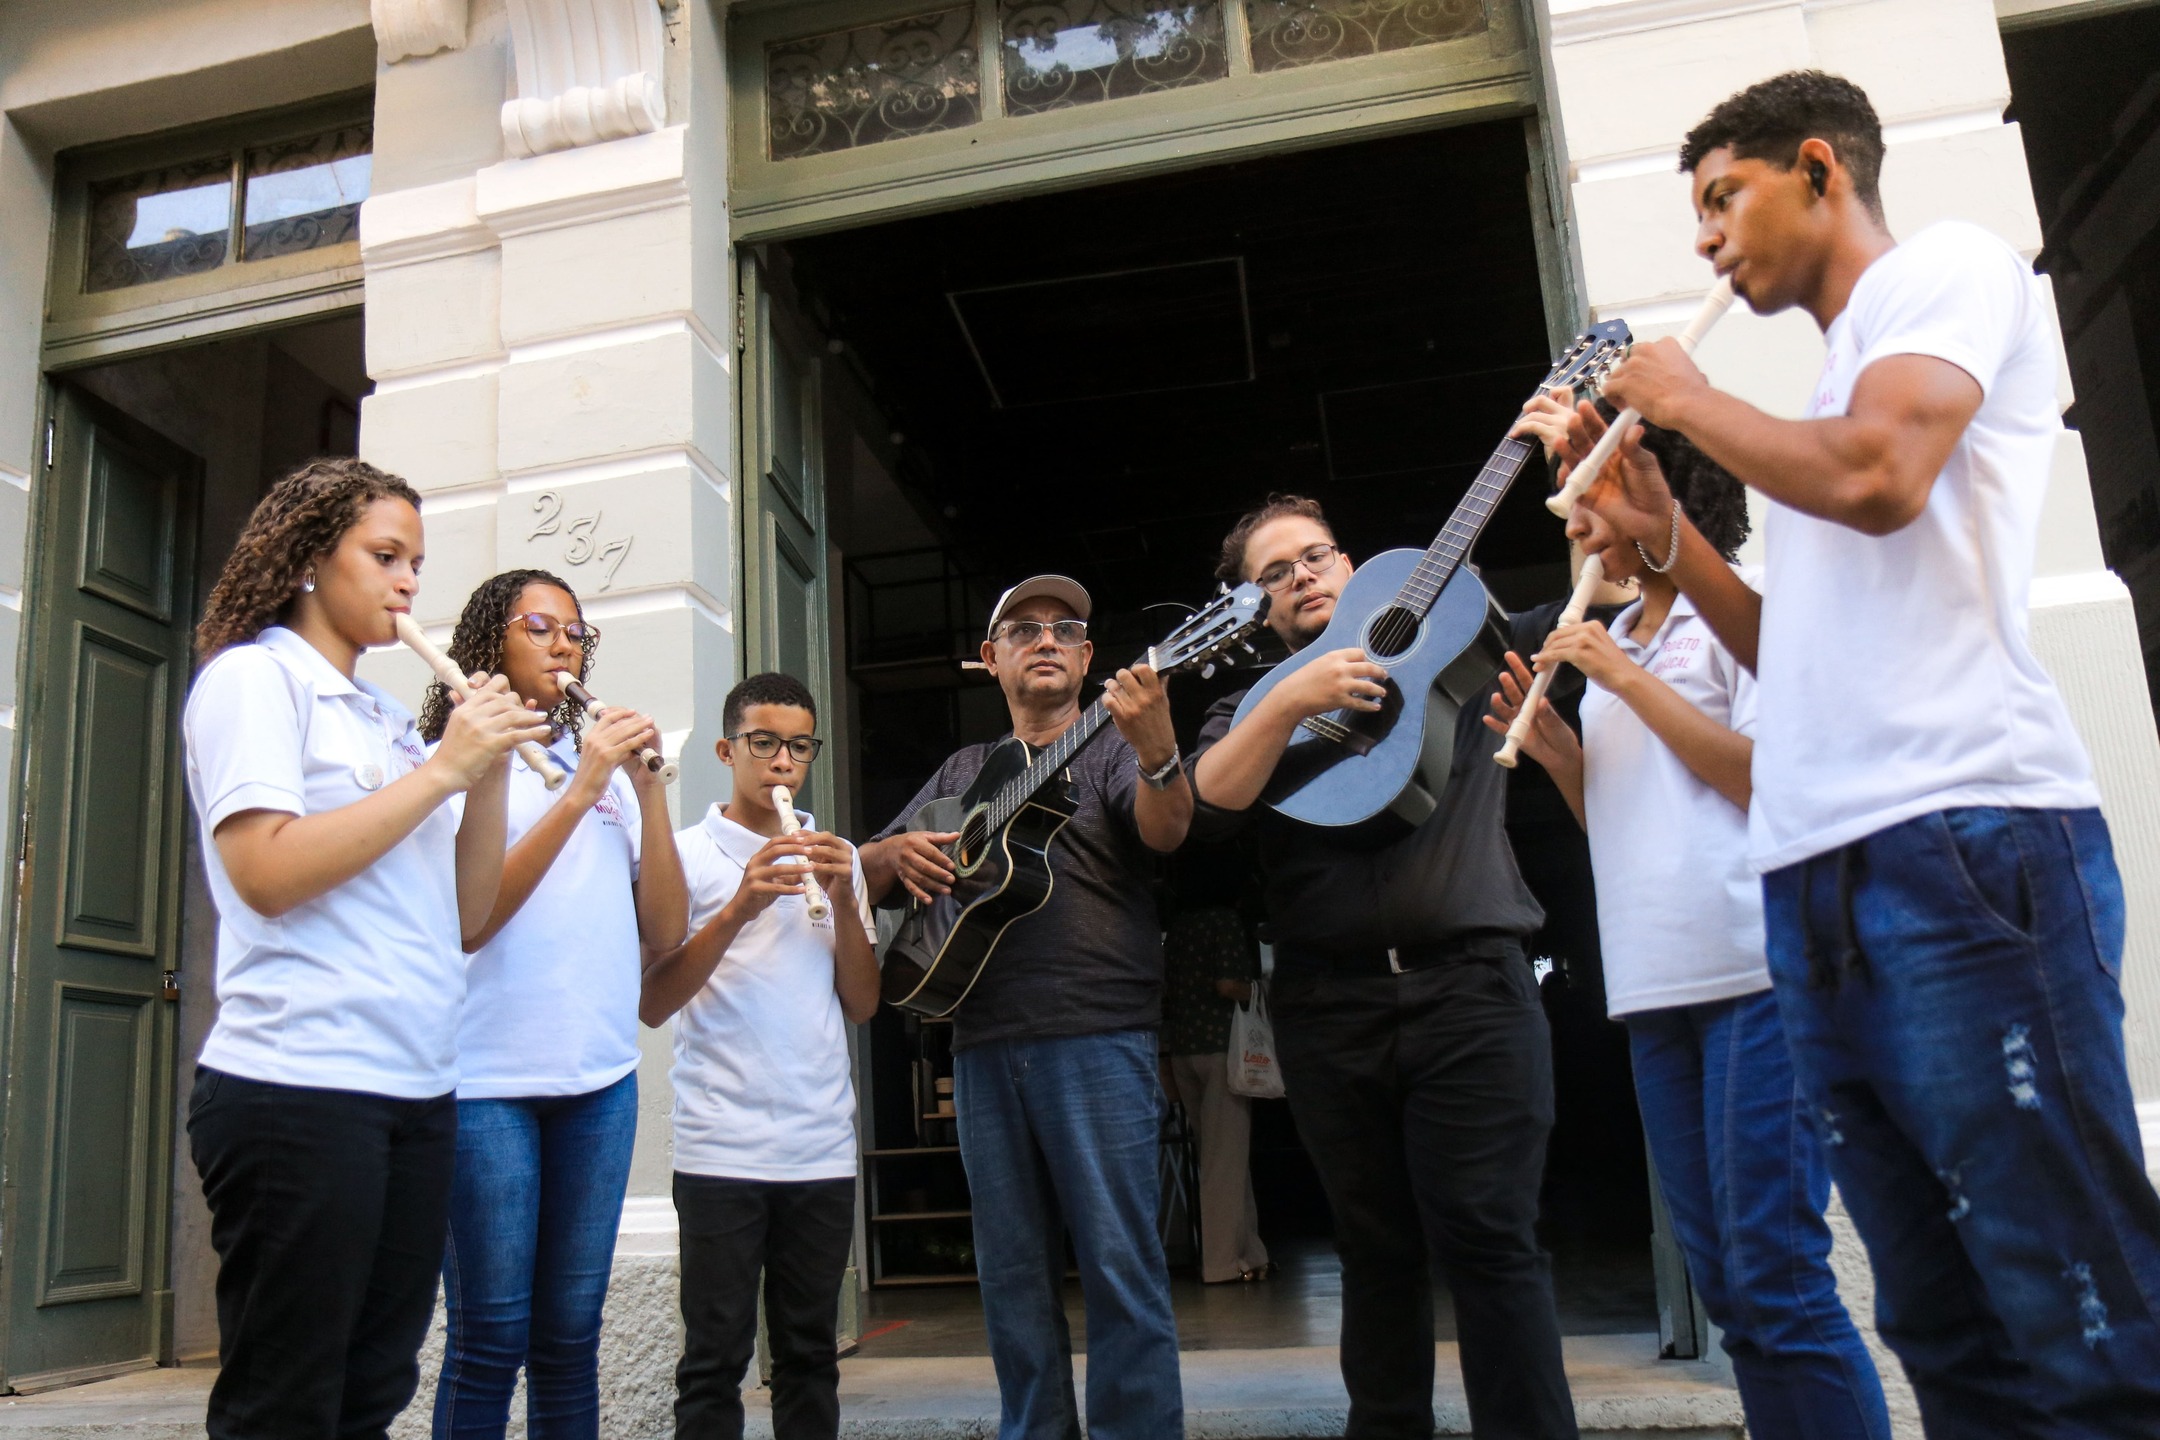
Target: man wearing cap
{"type": "Point", "coordinates": [1054, 1070]}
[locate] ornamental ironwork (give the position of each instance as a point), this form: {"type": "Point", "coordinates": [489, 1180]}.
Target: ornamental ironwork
{"type": "Point", "coordinates": [160, 224]}
{"type": "Point", "coordinates": [850, 88]}
{"type": "Point", "coordinates": [1290, 33]}
{"type": "Point", "coordinates": [1058, 55]}
{"type": "Point", "coordinates": [305, 194]}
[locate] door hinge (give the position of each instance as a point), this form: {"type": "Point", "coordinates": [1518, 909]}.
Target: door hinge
{"type": "Point", "coordinates": [172, 985]}
{"type": "Point", "coordinates": [742, 324]}
{"type": "Point", "coordinates": [50, 426]}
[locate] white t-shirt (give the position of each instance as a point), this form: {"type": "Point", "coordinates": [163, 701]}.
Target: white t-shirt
{"type": "Point", "coordinates": [1897, 677]}
{"type": "Point", "coordinates": [551, 1002]}
{"type": "Point", "coordinates": [359, 988]}
{"type": "Point", "coordinates": [762, 1083]}
{"type": "Point", "coordinates": [1680, 913]}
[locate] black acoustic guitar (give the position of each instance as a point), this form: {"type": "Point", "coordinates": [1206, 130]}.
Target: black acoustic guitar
{"type": "Point", "coordinates": [1008, 818]}
{"type": "Point", "coordinates": [1430, 623]}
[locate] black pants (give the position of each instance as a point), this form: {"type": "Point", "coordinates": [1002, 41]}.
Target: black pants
{"type": "Point", "coordinates": [798, 1233]}
{"type": "Point", "coordinates": [1425, 1100]}
{"type": "Point", "coordinates": [327, 1211]}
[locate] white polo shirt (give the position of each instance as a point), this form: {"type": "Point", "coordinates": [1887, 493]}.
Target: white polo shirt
{"type": "Point", "coordinates": [359, 988]}
{"type": "Point", "coordinates": [1680, 912]}
{"type": "Point", "coordinates": [762, 1083]}
{"type": "Point", "coordinates": [551, 1001]}
{"type": "Point", "coordinates": [1897, 673]}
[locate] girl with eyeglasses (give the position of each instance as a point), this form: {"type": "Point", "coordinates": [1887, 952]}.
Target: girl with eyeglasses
{"type": "Point", "coordinates": [547, 1085]}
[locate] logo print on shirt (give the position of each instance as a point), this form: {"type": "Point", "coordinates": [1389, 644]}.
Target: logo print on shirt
{"type": "Point", "coordinates": [609, 809]}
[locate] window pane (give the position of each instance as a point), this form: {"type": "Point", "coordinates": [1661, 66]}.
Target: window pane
{"type": "Point", "coordinates": [1289, 33]}
{"type": "Point", "coordinates": [163, 223]}
{"type": "Point", "coordinates": [1077, 53]}
{"type": "Point", "coordinates": [305, 194]}
{"type": "Point", "coordinates": [880, 82]}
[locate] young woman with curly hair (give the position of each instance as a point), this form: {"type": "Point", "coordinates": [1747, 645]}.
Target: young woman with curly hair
{"type": "Point", "coordinates": [1661, 781]}
{"type": "Point", "coordinates": [547, 1083]}
{"type": "Point", "coordinates": [322, 1120]}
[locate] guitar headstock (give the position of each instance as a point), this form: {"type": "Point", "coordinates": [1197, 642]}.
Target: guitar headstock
{"type": "Point", "coordinates": [1583, 366]}
{"type": "Point", "coordinates": [1214, 634]}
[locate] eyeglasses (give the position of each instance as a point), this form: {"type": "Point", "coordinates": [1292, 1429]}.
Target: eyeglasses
{"type": "Point", "coordinates": [1066, 634]}
{"type": "Point", "coordinates": [1318, 561]}
{"type": "Point", "coordinates": [540, 629]}
{"type": "Point", "coordinates": [764, 744]}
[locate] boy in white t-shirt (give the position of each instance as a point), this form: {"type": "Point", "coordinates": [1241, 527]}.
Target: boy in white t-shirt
{"type": "Point", "coordinates": [764, 1100]}
{"type": "Point", "coordinates": [1660, 781]}
{"type": "Point", "coordinates": [1944, 916]}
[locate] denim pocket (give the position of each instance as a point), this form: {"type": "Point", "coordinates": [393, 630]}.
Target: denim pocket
{"type": "Point", "coordinates": [2100, 887]}
{"type": "Point", "coordinates": [1982, 844]}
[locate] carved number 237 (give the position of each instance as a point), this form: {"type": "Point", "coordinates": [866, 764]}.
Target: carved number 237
{"type": "Point", "coordinates": [584, 545]}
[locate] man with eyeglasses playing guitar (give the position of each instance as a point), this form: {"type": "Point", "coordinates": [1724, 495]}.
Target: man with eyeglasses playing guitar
{"type": "Point", "coordinates": [1054, 1068]}
{"type": "Point", "coordinates": [1414, 1051]}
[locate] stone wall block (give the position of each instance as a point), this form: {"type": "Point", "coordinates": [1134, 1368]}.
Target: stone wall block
{"type": "Point", "coordinates": [440, 435]}
{"type": "Point", "coordinates": [1609, 110]}
{"type": "Point", "coordinates": [434, 313]}
{"type": "Point", "coordinates": [587, 277]}
{"type": "Point", "coordinates": [460, 554]}
{"type": "Point", "coordinates": [1915, 58]}
{"type": "Point", "coordinates": [1976, 175]}
{"type": "Point", "coordinates": [1638, 237]}
{"type": "Point", "coordinates": [1769, 361]}
{"type": "Point", "coordinates": [623, 534]}
{"type": "Point", "coordinates": [14, 525]}
{"type": "Point", "coordinates": [2069, 532]}
{"type": "Point", "coordinates": [604, 401]}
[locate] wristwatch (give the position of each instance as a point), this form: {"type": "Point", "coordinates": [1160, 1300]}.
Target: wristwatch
{"type": "Point", "coordinates": [1171, 769]}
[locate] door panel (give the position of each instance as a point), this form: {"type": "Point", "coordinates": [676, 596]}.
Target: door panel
{"type": "Point", "coordinates": [784, 543]}
{"type": "Point", "coordinates": [89, 1102]}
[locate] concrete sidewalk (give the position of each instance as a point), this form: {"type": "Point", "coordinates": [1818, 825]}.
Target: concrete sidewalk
{"type": "Point", "coordinates": [1621, 1388]}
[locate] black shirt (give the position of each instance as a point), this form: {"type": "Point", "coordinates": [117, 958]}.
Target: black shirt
{"type": "Point", "coordinates": [1381, 883]}
{"type": "Point", "coordinates": [1090, 960]}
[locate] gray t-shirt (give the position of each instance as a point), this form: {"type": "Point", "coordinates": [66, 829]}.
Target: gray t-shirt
{"type": "Point", "coordinates": [1090, 960]}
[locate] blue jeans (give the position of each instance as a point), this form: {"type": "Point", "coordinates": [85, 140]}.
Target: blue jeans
{"type": "Point", "coordinates": [1056, 1134]}
{"type": "Point", "coordinates": [534, 1210]}
{"type": "Point", "coordinates": [1952, 989]}
{"type": "Point", "coordinates": [1744, 1177]}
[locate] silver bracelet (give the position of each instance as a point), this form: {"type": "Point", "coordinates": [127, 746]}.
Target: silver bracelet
{"type": "Point", "coordinates": [1672, 546]}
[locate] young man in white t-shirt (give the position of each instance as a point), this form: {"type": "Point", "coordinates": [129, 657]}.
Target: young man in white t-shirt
{"type": "Point", "coordinates": [1660, 782]}
{"type": "Point", "coordinates": [1944, 916]}
{"type": "Point", "coordinates": [764, 1101]}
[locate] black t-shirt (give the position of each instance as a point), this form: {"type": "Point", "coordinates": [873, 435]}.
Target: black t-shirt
{"type": "Point", "coordinates": [1090, 960]}
{"type": "Point", "coordinates": [1381, 883]}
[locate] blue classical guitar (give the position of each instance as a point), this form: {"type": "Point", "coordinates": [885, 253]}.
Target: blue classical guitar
{"type": "Point", "coordinates": [1440, 636]}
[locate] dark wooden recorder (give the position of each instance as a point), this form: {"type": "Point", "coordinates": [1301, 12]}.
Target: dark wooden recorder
{"type": "Point", "coordinates": [1007, 821]}
{"type": "Point", "coordinates": [1428, 620]}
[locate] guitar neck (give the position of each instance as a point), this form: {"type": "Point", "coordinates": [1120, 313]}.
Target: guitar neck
{"type": "Point", "coordinates": [1048, 762]}
{"type": "Point", "coordinates": [1452, 546]}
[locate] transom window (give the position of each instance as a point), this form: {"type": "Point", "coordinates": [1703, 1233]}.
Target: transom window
{"type": "Point", "coordinates": [245, 205]}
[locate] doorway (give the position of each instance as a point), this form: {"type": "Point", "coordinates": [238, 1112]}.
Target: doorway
{"type": "Point", "coordinates": [153, 465]}
{"type": "Point", "coordinates": [1098, 382]}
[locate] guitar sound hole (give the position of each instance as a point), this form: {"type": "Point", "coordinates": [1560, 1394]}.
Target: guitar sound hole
{"type": "Point", "coordinates": [1392, 631]}
{"type": "Point", "coordinates": [967, 850]}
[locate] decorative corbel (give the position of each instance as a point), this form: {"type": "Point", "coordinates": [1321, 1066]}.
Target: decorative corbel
{"type": "Point", "coordinates": [408, 29]}
{"type": "Point", "coordinates": [587, 70]}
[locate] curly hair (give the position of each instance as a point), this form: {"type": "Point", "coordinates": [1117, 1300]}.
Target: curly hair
{"type": "Point", "coordinates": [1230, 565]}
{"type": "Point", "coordinates": [1706, 490]}
{"type": "Point", "coordinates": [295, 526]}
{"type": "Point", "coordinates": [477, 644]}
{"type": "Point", "coordinates": [1771, 118]}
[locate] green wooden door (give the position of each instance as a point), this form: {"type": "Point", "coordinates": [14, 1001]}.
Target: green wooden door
{"type": "Point", "coordinates": [89, 1091]}
{"type": "Point", "coordinates": [783, 513]}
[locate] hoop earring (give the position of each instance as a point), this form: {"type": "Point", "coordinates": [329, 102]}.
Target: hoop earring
{"type": "Point", "coordinates": [307, 583]}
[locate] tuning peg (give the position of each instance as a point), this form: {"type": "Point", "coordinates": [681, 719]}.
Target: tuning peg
{"type": "Point", "coordinates": [1207, 671]}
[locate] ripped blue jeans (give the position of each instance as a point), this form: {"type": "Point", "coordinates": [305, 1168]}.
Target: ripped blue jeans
{"type": "Point", "coordinates": [1952, 990]}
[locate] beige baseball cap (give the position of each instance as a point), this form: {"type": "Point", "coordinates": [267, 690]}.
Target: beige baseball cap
{"type": "Point", "coordinates": [1055, 587]}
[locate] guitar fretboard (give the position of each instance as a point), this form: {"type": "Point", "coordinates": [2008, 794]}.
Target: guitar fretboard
{"type": "Point", "coordinates": [1446, 553]}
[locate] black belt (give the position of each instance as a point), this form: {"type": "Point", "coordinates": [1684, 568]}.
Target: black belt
{"type": "Point", "coordinates": [1397, 959]}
